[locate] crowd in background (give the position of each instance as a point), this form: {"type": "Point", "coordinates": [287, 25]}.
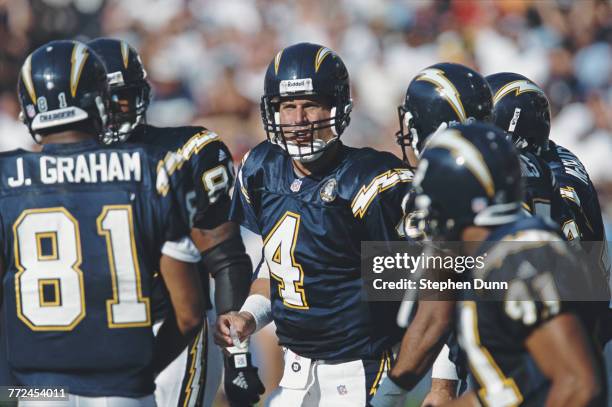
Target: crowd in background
{"type": "Point", "coordinates": [206, 59]}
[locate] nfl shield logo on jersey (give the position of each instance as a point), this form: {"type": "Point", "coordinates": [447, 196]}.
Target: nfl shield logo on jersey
{"type": "Point", "coordinates": [296, 185]}
{"type": "Point", "coordinates": [342, 390]}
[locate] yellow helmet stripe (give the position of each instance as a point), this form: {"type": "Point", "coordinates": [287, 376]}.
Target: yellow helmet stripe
{"type": "Point", "coordinates": [79, 56]}
{"type": "Point", "coordinates": [471, 157]}
{"type": "Point", "coordinates": [322, 53]}
{"type": "Point", "coordinates": [125, 53]}
{"type": "Point", "coordinates": [277, 60]}
{"type": "Point", "coordinates": [26, 77]}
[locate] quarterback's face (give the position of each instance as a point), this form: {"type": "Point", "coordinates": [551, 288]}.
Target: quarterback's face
{"type": "Point", "coordinates": [302, 115]}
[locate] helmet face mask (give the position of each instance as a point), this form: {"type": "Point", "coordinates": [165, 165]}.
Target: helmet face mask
{"type": "Point", "coordinates": [441, 96]}
{"type": "Point", "coordinates": [306, 71]}
{"type": "Point", "coordinates": [130, 91]}
{"type": "Point", "coordinates": [128, 105]}
{"type": "Point", "coordinates": [306, 141]}
{"type": "Point", "coordinates": [469, 175]}
{"type": "Point", "coordinates": [407, 135]}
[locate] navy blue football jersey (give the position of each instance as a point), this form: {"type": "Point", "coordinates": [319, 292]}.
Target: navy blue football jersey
{"type": "Point", "coordinates": [541, 188]}
{"type": "Point", "coordinates": [204, 164]}
{"type": "Point", "coordinates": [584, 221]}
{"type": "Point", "coordinates": [312, 229]}
{"type": "Point", "coordinates": [82, 227]}
{"type": "Point", "coordinates": [493, 325]}
{"type": "Point", "coordinates": [206, 167]}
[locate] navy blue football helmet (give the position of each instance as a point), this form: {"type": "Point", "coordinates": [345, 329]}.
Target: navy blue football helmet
{"type": "Point", "coordinates": [521, 109]}
{"type": "Point", "coordinates": [306, 69]}
{"type": "Point", "coordinates": [60, 84]}
{"type": "Point", "coordinates": [467, 175]}
{"type": "Point", "coordinates": [440, 96]}
{"type": "Point", "coordinates": [130, 91]}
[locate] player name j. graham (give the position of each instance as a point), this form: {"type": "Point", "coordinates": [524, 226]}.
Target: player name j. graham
{"type": "Point", "coordinates": [84, 168]}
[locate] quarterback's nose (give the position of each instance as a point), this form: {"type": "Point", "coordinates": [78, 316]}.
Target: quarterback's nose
{"type": "Point", "coordinates": [300, 116]}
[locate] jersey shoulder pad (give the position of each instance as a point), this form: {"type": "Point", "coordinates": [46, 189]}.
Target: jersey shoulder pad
{"type": "Point", "coordinates": [160, 163]}
{"type": "Point", "coordinates": [369, 172]}
{"type": "Point", "coordinates": [259, 157]}
{"type": "Point", "coordinates": [182, 133]}
{"type": "Point", "coordinates": [196, 141]}
{"type": "Point", "coordinates": [530, 166]}
{"type": "Point", "coordinates": [366, 164]}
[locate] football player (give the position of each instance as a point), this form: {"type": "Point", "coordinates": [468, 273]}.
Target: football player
{"type": "Point", "coordinates": [206, 170]}
{"type": "Point", "coordinates": [314, 200]}
{"type": "Point", "coordinates": [442, 95]}
{"type": "Point", "coordinates": [83, 231]}
{"type": "Point", "coordinates": [522, 109]}
{"type": "Point", "coordinates": [526, 345]}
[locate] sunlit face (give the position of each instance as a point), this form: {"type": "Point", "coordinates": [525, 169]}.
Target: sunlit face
{"type": "Point", "coordinates": [300, 114]}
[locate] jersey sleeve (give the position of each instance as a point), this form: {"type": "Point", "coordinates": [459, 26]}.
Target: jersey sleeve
{"type": "Point", "coordinates": [213, 176]}
{"type": "Point", "coordinates": [243, 203]}
{"type": "Point", "coordinates": [378, 203]}
{"type": "Point", "coordinates": [169, 210]}
{"type": "Point", "coordinates": [539, 186]}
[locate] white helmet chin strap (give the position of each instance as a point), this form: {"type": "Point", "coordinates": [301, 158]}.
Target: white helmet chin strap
{"type": "Point", "coordinates": [306, 154]}
{"type": "Point", "coordinates": [443, 126]}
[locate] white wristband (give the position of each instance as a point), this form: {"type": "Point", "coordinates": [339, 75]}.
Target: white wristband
{"type": "Point", "coordinates": [183, 250]}
{"type": "Point", "coordinates": [443, 368]}
{"type": "Point", "coordinates": [260, 307]}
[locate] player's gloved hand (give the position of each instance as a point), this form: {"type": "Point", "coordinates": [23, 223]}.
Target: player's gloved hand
{"type": "Point", "coordinates": [242, 384]}
{"type": "Point", "coordinates": [388, 394]}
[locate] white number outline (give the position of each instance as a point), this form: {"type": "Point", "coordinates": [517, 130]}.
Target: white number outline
{"type": "Point", "coordinates": [489, 375]}
{"type": "Point", "coordinates": [214, 180]}
{"type": "Point", "coordinates": [107, 234]}
{"type": "Point", "coordinates": [75, 266]}
{"type": "Point", "coordinates": [570, 230]}
{"type": "Point", "coordinates": [276, 258]}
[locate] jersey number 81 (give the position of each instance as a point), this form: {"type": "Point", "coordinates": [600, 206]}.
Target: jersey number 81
{"type": "Point", "coordinates": [59, 269]}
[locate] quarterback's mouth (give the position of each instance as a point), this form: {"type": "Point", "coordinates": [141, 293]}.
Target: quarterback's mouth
{"type": "Point", "coordinates": [302, 137]}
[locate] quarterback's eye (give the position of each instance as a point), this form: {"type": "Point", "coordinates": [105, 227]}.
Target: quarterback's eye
{"type": "Point", "coordinates": [285, 106]}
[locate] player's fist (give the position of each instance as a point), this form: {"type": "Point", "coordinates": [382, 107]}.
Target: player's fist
{"type": "Point", "coordinates": [442, 391]}
{"type": "Point", "coordinates": [241, 382]}
{"type": "Point", "coordinates": [243, 324]}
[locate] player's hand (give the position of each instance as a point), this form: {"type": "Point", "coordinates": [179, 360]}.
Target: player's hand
{"type": "Point", "coordinates": [442, 391]}
{"type": "Point", "coordinates": [243, 323]}
{"type": "Point", "coordinates": [242, 384]}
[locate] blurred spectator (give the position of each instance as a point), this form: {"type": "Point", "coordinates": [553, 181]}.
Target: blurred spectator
{"type": "Point", "coordinates": [206, 58]}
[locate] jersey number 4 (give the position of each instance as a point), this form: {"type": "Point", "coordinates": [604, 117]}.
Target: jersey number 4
{"type": "Point", "coordinates": [279, 248]}
{"type": "Point", "coordinates": [57, 270]}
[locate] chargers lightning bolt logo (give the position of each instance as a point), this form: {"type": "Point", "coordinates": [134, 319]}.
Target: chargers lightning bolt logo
{"type": "Point", "coordinates": [445, 88]}
{"type": "Point", "coordinates": [520, 86]}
